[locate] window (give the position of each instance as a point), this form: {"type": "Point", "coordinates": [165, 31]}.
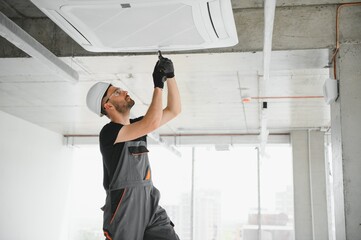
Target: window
{"type": "Point", "coordinates": [225, 196]}
{"type": "Point", "coordinates": [87, 195]}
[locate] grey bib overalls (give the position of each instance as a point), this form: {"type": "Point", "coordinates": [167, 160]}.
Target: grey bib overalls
{"type": "Point", "coordinates": [134, 214]}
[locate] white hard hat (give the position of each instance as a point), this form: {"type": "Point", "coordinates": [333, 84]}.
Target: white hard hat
{"type": "Point", "coordinates": [95, 96]}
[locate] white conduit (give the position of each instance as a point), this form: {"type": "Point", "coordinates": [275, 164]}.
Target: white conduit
{"type": "Point", "coordinates": [17, 36]}
{"type": "Point", "coordinates": [269, 13]}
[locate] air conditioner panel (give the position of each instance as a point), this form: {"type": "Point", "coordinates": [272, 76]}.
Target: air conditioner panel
{"type": "Point", "coordinates": [67, 27]}
{"type": "Point", "coordinates": [158, 23]}
{"type": "Point", "coordinates": [111, 26]}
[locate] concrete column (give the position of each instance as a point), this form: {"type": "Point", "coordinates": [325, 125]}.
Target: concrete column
{"type": "Point", "coordinates": [301, 186]}
{"type": "Point", "coordinates": [346, 140]}
{"type": "Point", "coordinates": [309, 180]}
{"type": "Point", "coordinates": [318, 165]}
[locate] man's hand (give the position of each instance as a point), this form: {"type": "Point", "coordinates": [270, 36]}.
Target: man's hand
{"type": "Point", "coordinates": [159, 76]}
{"type": "Point", "coordinates": [167, 65]}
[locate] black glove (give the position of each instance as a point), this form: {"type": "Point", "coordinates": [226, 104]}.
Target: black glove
{"type": "Point", "coordinates": [167, 65]}
{"type": "Point", "coordinates": [159, 76]}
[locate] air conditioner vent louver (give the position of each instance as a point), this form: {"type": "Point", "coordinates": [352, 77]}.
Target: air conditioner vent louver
{"type": "Point", "coordinates": [112, 26]}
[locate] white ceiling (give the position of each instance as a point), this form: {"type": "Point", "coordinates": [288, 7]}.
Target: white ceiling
{"type": "Point", "coordinates": [211, 87]}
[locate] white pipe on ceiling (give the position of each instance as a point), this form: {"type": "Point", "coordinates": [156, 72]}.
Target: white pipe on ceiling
{"type": "Point", "coordinates": [269, 13]}
{"type": "Point", "coordinates": [17, 36]}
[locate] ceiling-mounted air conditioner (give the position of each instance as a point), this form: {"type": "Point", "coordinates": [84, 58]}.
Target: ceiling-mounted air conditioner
{"type": "Point", "coordinates": [144, 25]}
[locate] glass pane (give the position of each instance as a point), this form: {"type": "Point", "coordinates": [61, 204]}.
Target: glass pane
{"type": "Point", "coordinates": [276, 194]}
{"type": "Point", "coordinates": [87, 195]}
{"type": "Point", "coordinates": [226, 198]}
{"type": "Point", "coordinates": [226, 191]}
{"type": "Point", "coordinates": [172, 175]}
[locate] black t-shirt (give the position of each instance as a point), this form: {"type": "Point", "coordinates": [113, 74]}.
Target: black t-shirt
{"type": "Point", "coordinates": [110, 151]}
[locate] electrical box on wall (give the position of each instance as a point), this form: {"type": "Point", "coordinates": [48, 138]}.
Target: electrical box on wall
{"type": "Point", "coordinates": [330, 90]}
{"type": "Point", "coordinates": [144, 25]}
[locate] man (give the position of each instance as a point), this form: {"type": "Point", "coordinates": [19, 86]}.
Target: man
{"type": "Point", "coordinates": [131, 211]}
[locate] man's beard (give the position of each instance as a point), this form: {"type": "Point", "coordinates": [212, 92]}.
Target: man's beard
{"type": "Point", "coordinates": [124, 106]}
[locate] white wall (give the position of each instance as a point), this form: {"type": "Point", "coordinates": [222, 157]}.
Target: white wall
{"type": "Point", "coordinates": [35, 169]}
